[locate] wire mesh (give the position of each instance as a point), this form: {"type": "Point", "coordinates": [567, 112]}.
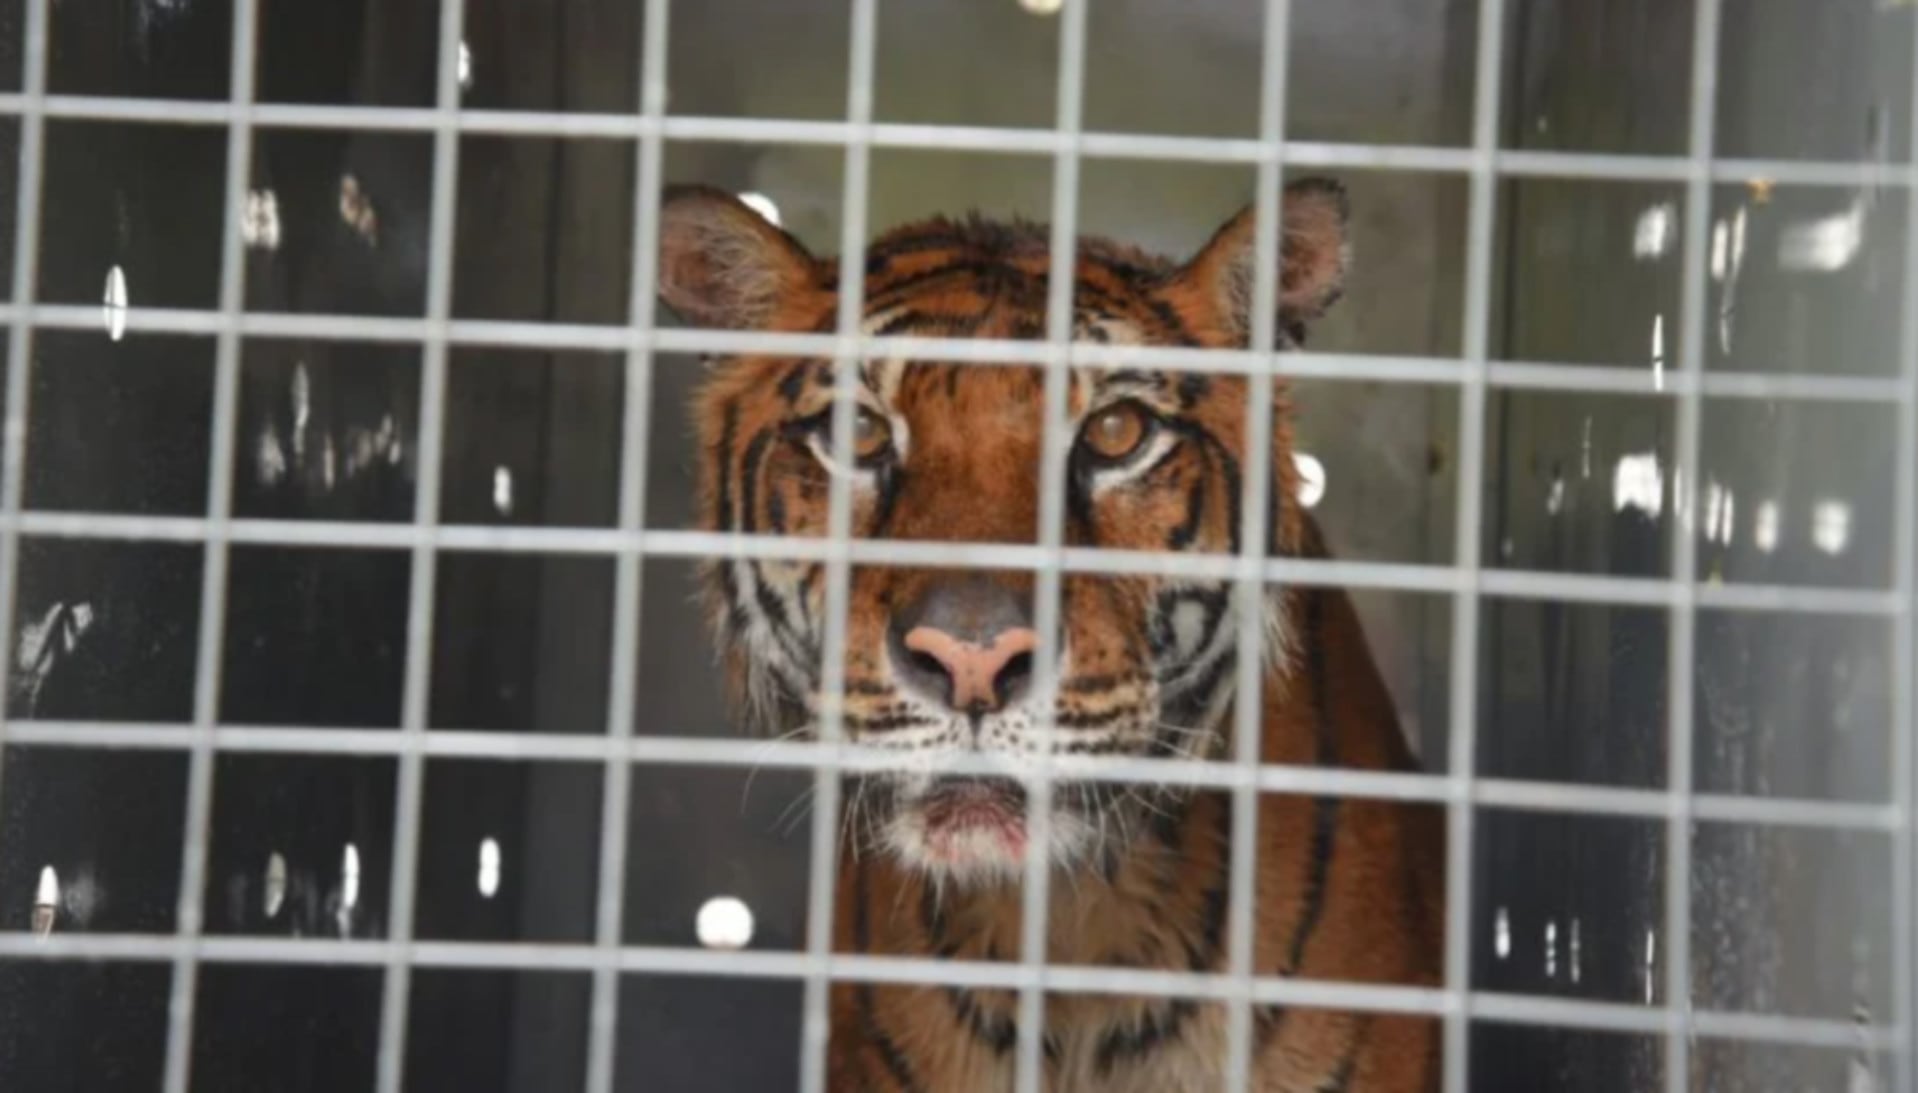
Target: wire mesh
{"type": "Point", "coordinates": [1475, 374]}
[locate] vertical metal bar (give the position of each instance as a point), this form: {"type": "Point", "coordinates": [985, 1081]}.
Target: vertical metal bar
{"type": "Point", "coordinates": [1904, 674]}
{"type": "Point", "coordinates": [1055, 442]}
{"type": "Point", "coordinates": [189, 921]}
{"type": "Point", "coordinates": [26, 272]}
{"type": "Point", "coordinates": [816, 1023]}
{"type": "Point", "coordinates": [1681, 641]}
{"type": "Point", "coordinates": [628, 583]}
{"type": "Point", "coordinates": [417, 690]}
{"type": "Point", "coordinates": [1462, 752]}
{"type": "Point", "coordinates": [1250, 591]}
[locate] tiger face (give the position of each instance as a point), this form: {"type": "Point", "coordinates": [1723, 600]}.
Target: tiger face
{"type": "Point", "coordinates": [938, 662]}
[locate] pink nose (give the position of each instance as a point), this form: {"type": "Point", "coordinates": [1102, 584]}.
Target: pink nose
{"type": "Point", "coordinates": [978, 677]}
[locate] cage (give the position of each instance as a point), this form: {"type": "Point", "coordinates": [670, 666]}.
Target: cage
{"type": "Point", "coordinates": [361, 726]}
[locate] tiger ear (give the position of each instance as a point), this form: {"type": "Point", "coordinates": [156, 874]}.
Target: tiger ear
{"type": "Point", "coordinates": [1314, 253]}
{"type": "Point", "coordinates": [722, 264]}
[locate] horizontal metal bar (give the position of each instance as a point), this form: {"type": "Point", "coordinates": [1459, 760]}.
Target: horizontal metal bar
{"type": "Point", "coordinates": [1015, 141]}
{"type": "Point", "coordinates": [1353, 367]}
{"type": "Point", "coordinates": [799, 755]}
{"type": "Point", "coordinates": [848, 967]}
{"type": "Point", "coordinates": [1385, 576]}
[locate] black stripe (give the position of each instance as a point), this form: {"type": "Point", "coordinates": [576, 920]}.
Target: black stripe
{"type": "Point", "coordinates": [896, 1065]}
{"type": "Point", "coordinates": [884, 297]}
{"type": "Point", "coordinates": [894, 1059]}
{"type": "Point", "coordinates": [723, 460]}
{"type": "Point", "coordinates": [1154, 1029]}
{"type": "Point", "coordinates": [886, 483]}
{"type": "Point", "coordinates": [1188, 529]}
{"type": "Point", "coordinates": [1325, 810]}
{"type": "Point", "coordinates": [1193, 387]}
{"type": "Point", "coordinates": [1212, 924]}
{"type": "Point", "coordinates": [995, 1030]}
{"type": "Point", "coordinates": [1340, 1080]}
{"type": "Point", "coordinates": [793, 383]}
{"type": "Point", "coordinates": [749, 480]}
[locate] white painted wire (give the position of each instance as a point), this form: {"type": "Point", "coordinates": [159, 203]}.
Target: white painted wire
{"type": "Point", "coordinates": [823, 859]}
{"type": "Point", "coordinates": [1462, 752]}
{"type": "Point", "coordinates": [602, 1037]}
{"type": "Point", "coordinates": [1484, 162]}
{"type": "Point", "coordinates": [1681, 641]}
{"type": "Point", "coordinates": [198, 834]}
{"type": "Point", "coordinates": [1904, 674]}
{"type": "Point", "coordinates": [416, 690]}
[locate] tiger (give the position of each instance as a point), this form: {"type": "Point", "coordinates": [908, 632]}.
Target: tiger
{"type": "Point", "coordinates": [939, 662]}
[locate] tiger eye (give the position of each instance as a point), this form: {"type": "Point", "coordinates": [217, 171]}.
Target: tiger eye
{"type": "Point", "coordinates": [871, 436]}
{"type": "Point", "coordinates": [1116, 432]}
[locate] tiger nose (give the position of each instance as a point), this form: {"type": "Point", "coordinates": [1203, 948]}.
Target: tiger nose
{"type": "Point", "coordinates": [975, 676]}
{"type": "Point", "coordinates": [967, 639]}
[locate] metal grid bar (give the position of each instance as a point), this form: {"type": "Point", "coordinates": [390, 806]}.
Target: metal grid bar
{"type": "Point", "coordinates": [1462, 756]}
{"type": "Point", "coordinates": [628, 581]}
{"type": "Point", "coordinates": [224, 419]}
{"type": "Point", "coordinates": [823, 863]}
{"type": "Point", "coordinates": [416, 694]}
{"type": "Point", "coordinates": [1055, 441]}
{"type": "Point", "coordinates": [1681, 640]}
{"type": "Point", "coordinates": [1904, 657]}
{"type": "Point", "coordinates": [1567, 797]}
{"type": "Point", "coordinates": [1016, 141]}
{"type": "Point", "coordinates": [1254, 533]}
{"type": "Point", "coordinates": [1511, 1008]}
{"type": "Point", "coordinates": [1304, 364]}
{"type": "Point", "coordinates": [19, 363]}
{"type": "Point", "coordinates": [630, 542]}
{"type": "Point", "coordinates": [1394, 576]}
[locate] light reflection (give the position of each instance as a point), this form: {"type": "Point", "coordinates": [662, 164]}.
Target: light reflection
{"type": "Point", "coordinates": [357, 212]}
{"type": "Point", "coordinates": [489, 867]}
{"type": "Point", "coordinates": [1831, 525]}
{"type": "Point", "coordinates": [349, 889]}
{"type": "Point", "coordinates": [724, 922]}
{"type": "Point", "coordinates": [763, 205]}
{"type": "Point", "coordinates": [1825, 245]}
{"type": "Point", "coordinates": [350, 878]}
{"type": "Point", "coordinates": [1042, 7]}
{"type": "Point", "coordinates": [1651, 966]}
{"type": "Point", "coordinates": [1638, 482]}
{"type": "Point", "coordinates": [260, 222]}
{"type": "Point", "coordinates": [1577, 958]}
{"type": "Point", "coordinates": [1720, 514]}
{"type": "Point", "coordinates": [1765, 525]}
{"type": "Point", "coordinates": [1727, 260]}
{"type": "Point", "coordinates": [465, 67]}
{"type": "Point", "coordinates": [1311, 479]}
{"type": "Point", "coordinates": [275, 887]}
{"type": "Point", "coordinates": [1502, 934]}
{"type": "Point", "coordinates": [1658, 351]}
{"type": "Point", "coordinates": [46, 902]}
{"type": "Point", "coordinates": [1551, 949]}
{"type": "Point", "coordinates": [113, 304]}
{"type": "Point", "coordinates": [503, 490]}
{"type": "Point", "coordinates": [1657, 226]}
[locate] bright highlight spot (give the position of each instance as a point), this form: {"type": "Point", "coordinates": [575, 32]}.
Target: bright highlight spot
{"type": "Point", "coordinates": [724, 923]}
{"type": "Point", "coordinates": [1311, 479]}
{"type": "Point", "coordinates": [762, 205]}
{"type": "Point", "coordinates": [489, 867]}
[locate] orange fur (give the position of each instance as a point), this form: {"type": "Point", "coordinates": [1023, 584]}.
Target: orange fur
{"type": "Point", "coordinates": [1346, 889]}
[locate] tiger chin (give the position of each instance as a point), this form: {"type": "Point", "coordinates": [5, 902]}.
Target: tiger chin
{"type": "Point", "coordinates": [938, 663]}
